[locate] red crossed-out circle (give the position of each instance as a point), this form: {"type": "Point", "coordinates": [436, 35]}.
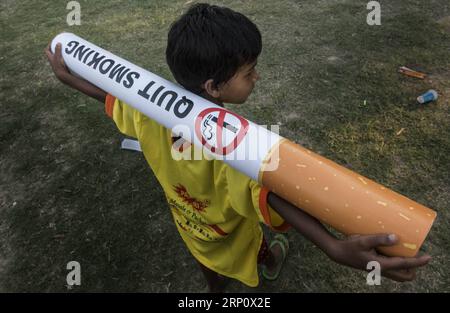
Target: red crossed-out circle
{"type": "Point", "coordinates": [219, 148]}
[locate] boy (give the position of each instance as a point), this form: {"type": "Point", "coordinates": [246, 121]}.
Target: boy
{"type": "Point", "coordinates": [213, 51]}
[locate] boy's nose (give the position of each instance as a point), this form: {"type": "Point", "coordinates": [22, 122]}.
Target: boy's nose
{"type": "Point", "coordinates": [257, 77]}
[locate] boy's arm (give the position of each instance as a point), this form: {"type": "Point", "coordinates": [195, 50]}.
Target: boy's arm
{"type": "Point", "coordinates": [62, 73]}
{"type": "Point", "coordinates": [355, 251]}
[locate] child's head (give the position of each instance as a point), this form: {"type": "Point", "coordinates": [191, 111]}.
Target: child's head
{"type": "Point", "coordinates": [212, 51]}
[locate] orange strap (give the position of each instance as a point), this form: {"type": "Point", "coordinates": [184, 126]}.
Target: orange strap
{"type": "Point", "coordinates": [265, 212]}
{"type": "Point", "coordinates": [109, 105]}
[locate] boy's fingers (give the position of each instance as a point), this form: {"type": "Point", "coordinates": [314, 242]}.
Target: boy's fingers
{"type": "Point", "coordinates": [58, 54]}
{"type": "Point", "coordinates": [397, 263]}
{"type": "Point", "coordinates": [58, 50]}
{"type": "Point", "coordinates": [373, 241]}
{"type": "Point", "coordinates": [405, 275]}
{"type": "Point", "coordinates": [401, 276]}
{"type": "Point", "coordinates": [48, 52]}
{"type": "Point", "coordinates": [392, 263]}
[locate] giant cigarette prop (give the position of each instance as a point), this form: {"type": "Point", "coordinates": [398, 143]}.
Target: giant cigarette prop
{"type": "Point", "coordinates": [343, 199]}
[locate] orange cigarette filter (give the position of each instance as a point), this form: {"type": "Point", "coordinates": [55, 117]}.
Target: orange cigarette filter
{"type": "Point", "coordinates": [345, 200]}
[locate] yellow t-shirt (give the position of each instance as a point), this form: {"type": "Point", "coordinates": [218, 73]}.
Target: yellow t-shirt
{"type": "Point", "coordinates": [217, 210]}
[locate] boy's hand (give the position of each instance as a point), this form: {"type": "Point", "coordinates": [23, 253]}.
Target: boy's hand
{"type": "Point", "coordinates": [357, 251]}
{"type": "Point", "coordinates": [63, 74]}
{"type": "Point", "coordinates": [57, 63]}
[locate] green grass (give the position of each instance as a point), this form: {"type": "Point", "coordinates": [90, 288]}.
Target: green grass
{"type": "Point", "coordinates": [67, 192]}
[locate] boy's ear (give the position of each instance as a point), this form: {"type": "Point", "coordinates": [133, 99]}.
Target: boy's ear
{"type": "Point", "coordinates": [212, 90]}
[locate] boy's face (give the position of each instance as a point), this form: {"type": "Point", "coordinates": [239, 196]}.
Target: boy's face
{"type": "Point", "coordinates": [240, 86]}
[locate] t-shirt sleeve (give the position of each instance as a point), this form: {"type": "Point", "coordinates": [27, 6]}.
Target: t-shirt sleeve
{"type": "Point", "coordinates": [249, 199]}
{"type": "Point", "coordinates": [125, 117]}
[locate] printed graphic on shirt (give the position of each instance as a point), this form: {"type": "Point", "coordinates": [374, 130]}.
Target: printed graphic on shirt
{"type": "Point", "coordinates": [187, 215]}
{"type": "Point", "coordinates": [198, 205]}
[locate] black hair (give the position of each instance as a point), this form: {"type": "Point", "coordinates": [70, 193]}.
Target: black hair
{"type": "Point", "coordinates": [209, 41]}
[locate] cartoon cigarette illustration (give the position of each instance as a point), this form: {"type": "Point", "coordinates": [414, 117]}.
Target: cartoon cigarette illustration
{"type": "Point", "coordinates": [341, 198]}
